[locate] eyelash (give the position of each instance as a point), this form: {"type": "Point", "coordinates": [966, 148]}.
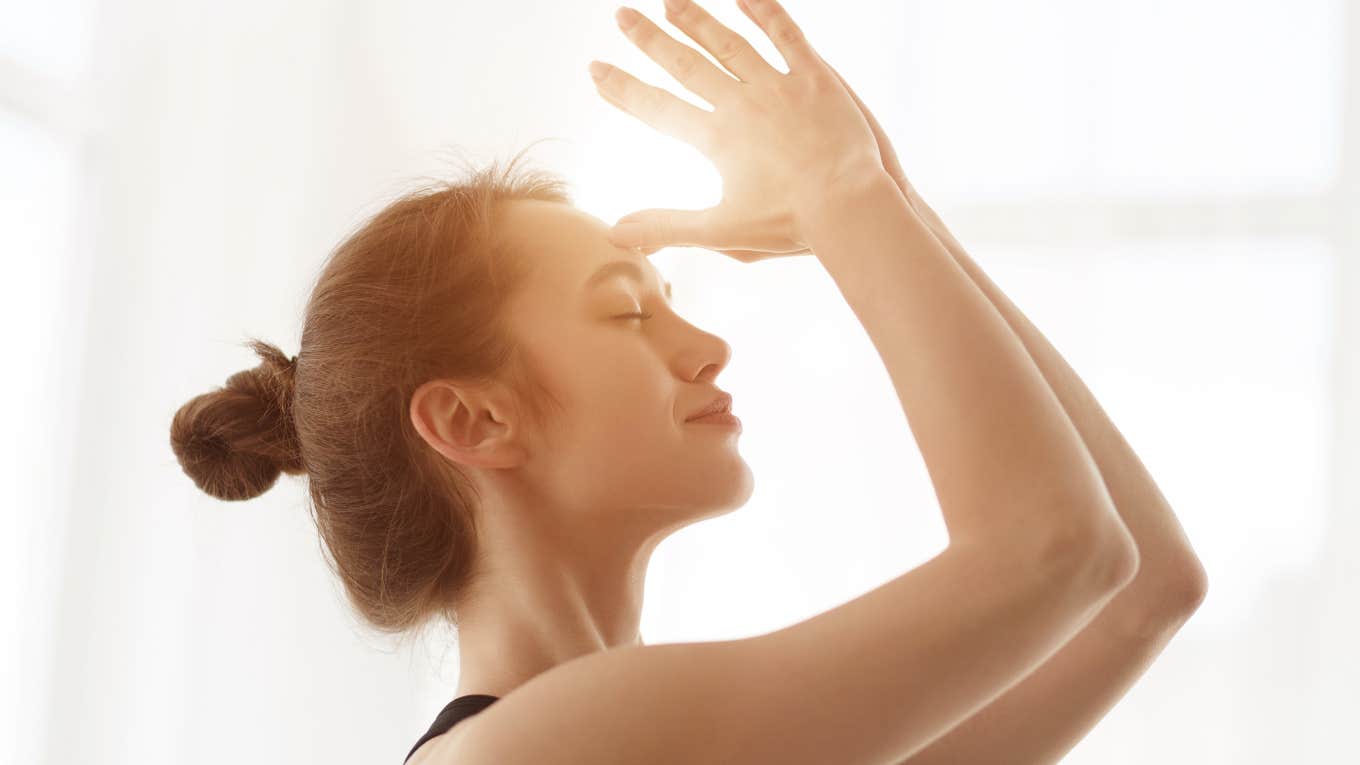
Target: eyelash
{"type": "Point", "coordinates": [642, 316]}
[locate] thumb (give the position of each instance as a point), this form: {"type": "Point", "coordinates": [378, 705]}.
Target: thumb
{"type": "Point", "coordinates": [662, 228]}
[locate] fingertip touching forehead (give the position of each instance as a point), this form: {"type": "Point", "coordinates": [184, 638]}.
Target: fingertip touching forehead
{"type": "Point", "coordinates": [570, 249]}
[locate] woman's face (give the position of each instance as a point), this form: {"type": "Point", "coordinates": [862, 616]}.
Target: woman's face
{"type": "Point", "coordinates": [626, 384]}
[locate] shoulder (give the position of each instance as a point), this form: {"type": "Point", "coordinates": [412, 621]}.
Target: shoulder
{"type": "Point", "coordinates": [440, 749]}
{"type": "Point", "coordinates": [449, 726]}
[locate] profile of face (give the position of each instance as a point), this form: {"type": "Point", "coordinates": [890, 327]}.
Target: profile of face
{"type": "Point", "coordinates": [620, 455]}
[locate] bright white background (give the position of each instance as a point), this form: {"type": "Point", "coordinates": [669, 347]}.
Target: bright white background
{"type": "Point", "coordinates": [1168, 188]}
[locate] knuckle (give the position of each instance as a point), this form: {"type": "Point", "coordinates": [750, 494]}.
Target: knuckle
{"type": "Point", "coordinates": [789, 87]}
{"type": "Point", "coordinates": [787, 34]}
{"type": "Point", "coordinates": [657, 104]}
{"type": "Point", "coordinates": [726, 49]}
{"type": "Point", "coordinates": [821, 79]}
{"type": "Point", "coordinates": [684, 65]}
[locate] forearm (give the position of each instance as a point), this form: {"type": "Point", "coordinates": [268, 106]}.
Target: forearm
{"type": "Point", "coordinates": [1004, 458]}
{"type": "Point", "coordinates": [1170, 579]}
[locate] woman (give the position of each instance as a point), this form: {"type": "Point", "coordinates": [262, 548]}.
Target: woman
{"type": "Point", "coordinates": [495, 407]}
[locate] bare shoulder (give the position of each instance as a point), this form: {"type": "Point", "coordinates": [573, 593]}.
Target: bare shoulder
{"type": "Point", "coordinates": [584, 681]}
{"type": "Point", "coordinates": [867, 682]}
{"type": "Point", "coordinates": [630, 704]}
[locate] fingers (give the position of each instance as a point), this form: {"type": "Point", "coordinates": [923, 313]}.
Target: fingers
{"type": "Point", "coordinates": [786, 35]}
{"type": "Point", "coordinates": [657, 228]}
{"type": "Point", "coordinates": [729, 48]}
{"type": "Point", "coordinates": [685, 64]}
{"type": "Point", "coordinates": [654, 106]}
{"type": "Point", "coordinates": [885, 150]}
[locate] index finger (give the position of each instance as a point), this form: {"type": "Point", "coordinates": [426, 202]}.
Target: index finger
{"type": "Point", "coordinates": [654, 106]}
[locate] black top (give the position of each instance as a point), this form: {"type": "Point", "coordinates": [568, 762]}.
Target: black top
{"type": "Point", "coordinates": [459, 708]}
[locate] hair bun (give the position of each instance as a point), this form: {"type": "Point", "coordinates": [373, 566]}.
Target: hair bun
{"type": "Point", "coordinates": [236, 440]}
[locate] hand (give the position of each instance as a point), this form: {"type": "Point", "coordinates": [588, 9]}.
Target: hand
{"type": "Point", "coordinates": [891, 166]}
{"type": "Point", "coordinates": [894, 169]}
{"type": "Point", "coordinates": [778, 140]}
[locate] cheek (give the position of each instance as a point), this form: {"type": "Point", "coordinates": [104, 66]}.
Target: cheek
{"type": "Point", "coordinates": [608, 366]}
{"type": "Point", "coordinates": [635, 388]}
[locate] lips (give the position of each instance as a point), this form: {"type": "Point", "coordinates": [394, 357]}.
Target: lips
{"type": "Point", "coordinates": [723, 403]}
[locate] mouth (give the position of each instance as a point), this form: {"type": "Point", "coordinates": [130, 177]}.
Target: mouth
{"type": "Point", "coordinates": [721, 404]}
{"type": "Point", "coordinates": [724, 419]}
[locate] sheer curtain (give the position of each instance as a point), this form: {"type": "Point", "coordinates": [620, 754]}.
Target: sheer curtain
{"type": "Point", "coordinates": [1168, 189]}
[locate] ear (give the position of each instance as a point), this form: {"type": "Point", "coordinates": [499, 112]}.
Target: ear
{"type": "Point", "coordinates": [468, 424]}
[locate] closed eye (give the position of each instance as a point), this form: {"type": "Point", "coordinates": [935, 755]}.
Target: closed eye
{"type": "Point", "coordinates": [641, 316]}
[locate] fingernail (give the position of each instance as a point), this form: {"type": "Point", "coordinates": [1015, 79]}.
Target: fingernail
{"type": "Point", "coordinates": [597, 70]}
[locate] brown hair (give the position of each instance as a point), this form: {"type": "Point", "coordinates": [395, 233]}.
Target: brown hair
{"type": "Point", "coordinates": [415, 293]}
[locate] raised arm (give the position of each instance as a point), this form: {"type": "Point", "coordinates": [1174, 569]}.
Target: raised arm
{"type": "Point", "coordinates": [801, 167]}
{"type": "Point", "coordinates": [1040, 719]}
{"type": "Point", "coordinates": [1003, 457]}
{"type": "Point", "coordinates": [1036, 546]}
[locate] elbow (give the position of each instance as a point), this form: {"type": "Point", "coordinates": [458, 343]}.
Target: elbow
{"type": "Point", "coordinates": [1119, 554]}
{"type": "Point", "coordinates": [1105, 556]}
{"type": "Point", "coordinates": [1165, 600]}
{"type": "Point", "coordinates": [1189, 587]}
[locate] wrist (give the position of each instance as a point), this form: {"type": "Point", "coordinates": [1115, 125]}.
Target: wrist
{"type": "Point", "coordinates": [842, 197]}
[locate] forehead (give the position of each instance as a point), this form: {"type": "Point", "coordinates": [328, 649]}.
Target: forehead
{"type": "Point", "coordinates": [562, 243]}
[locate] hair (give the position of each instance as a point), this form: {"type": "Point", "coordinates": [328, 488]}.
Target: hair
{"type": "Point", "coordinates": [415, 293]}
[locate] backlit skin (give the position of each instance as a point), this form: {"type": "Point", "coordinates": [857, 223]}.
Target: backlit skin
{"type": "Point", "coordinates": [916, 668]}
{"type": "Point", "coordinates": [571, 515]}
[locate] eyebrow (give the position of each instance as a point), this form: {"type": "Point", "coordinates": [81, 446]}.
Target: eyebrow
{"type": "Point", "coordinates": [620, 267]}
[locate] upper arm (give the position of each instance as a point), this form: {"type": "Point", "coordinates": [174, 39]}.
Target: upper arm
{"type": "Point", "coordinates": [1044, 716]}
{"type": "Point", "coordinates": [865, 683]}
